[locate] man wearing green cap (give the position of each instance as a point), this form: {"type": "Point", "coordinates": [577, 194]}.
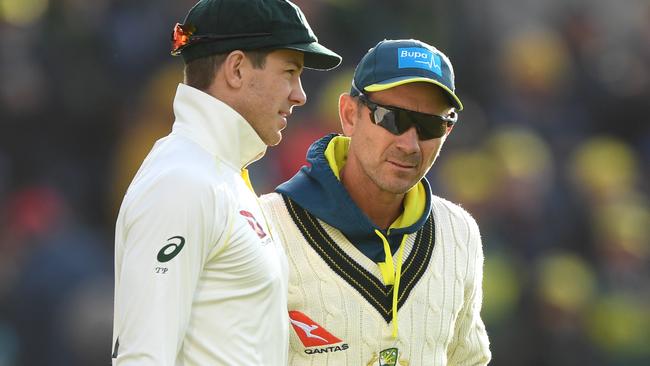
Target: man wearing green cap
{"type": "Point", "coordinates": [200, 277]}
{"type": "Point", "coordinates": [382, 271]}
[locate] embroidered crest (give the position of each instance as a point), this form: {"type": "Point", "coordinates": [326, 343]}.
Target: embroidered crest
{"type": "Point", "coordinates": [387, 357]}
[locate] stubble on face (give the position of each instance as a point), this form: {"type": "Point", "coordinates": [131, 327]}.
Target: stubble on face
{"type": "Point", "coordinates": [387, 177]}
{"type": "Point", "coordinates": [271, 93]}
{"type": "Point", "coordinates": [394, 164]}
{"type": "Point", "coordinates": [267, 125]}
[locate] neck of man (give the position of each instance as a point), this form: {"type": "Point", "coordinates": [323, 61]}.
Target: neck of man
{"type": "Point", "coordinates": [381, 207]}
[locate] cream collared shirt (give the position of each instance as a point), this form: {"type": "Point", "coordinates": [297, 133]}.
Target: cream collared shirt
{"type": "Point", "coordinates": [199, 278]}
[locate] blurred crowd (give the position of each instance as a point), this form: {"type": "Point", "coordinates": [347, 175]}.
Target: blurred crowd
{"type": "Point", "coordinates": [551, 156]}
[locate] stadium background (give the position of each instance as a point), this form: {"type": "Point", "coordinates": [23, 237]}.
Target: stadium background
{"type": "Point", "coordinates": [552, 157]}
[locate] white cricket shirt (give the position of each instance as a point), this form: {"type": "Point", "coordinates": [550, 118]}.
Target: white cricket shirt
{"type": "Point", "coordinates": [199, 278]}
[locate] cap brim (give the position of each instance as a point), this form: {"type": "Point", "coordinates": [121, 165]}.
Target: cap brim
{"type": "Point", "coordinates": [391, 83]}
{"type": "Point", "coordinates": [317, 57]}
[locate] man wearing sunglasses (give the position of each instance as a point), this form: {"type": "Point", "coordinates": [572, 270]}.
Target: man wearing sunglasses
{"type": "Point", "coordinates": [382, 271]}
{"type": "Point", "coordinates": [200, 277]}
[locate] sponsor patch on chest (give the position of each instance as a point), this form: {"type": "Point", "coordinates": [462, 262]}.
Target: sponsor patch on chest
{"type": "Point", "coordinates": [313, 336]}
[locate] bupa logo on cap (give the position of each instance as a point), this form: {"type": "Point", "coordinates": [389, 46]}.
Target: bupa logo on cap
{"type": "Point", "coordinates": [420, 58]}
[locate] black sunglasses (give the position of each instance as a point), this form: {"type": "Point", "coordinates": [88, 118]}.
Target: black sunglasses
{"type": "Point", "coordinates": [397, 120]}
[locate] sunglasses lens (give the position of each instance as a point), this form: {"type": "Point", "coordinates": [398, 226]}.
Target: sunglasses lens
{"type": "Point", "coordinates": [430, 127]}
{"type": "Point", "coordinates": [388, 120]}
{"type": "Point", "coordinates": [404, 121]}
{"type": "Point", "coordinates": [398, 121]}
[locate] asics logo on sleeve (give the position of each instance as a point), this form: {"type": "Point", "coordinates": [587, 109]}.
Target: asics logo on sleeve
{"type": "Point", "coordinates": [310, 333]}
{"type": "Point", "coordinates": [167, 253]}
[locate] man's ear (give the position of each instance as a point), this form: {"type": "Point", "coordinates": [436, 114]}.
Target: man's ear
{"type": "Point", "coordinates": [233, 67]}
{"type": "Point", "coordinates": [348, 113]}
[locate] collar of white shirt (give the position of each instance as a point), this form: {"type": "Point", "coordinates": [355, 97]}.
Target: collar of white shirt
{"type": "Point", "coordinates": [216, 127]}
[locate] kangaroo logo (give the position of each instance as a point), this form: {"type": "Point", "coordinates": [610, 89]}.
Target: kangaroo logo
{"type": "Point", "coordinates": [308, 329]}
{"type": "Point", "coordinates": [311, 333]}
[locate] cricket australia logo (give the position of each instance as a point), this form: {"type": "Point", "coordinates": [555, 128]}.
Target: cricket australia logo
{"type": "Point", "coordinates": [387, 357]}
{"type": "Point", "coordinates": [253, 223]}
{"type": "Point", "coordinates": [313, 336]}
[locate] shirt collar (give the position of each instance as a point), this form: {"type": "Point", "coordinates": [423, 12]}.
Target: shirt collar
{"type": "Point", "coordinates": [216, 127]}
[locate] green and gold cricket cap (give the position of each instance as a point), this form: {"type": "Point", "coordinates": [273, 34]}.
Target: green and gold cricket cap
{"type": "Point", "coordinates": [396, 62]}
{"type": "Point", "coordinates": [221, 26]}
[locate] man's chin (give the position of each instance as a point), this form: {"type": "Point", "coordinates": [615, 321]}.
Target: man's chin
{"type": "Point", "coordinates": [273, 140]}
{"type": "Point", "coordinates": [399, 186]}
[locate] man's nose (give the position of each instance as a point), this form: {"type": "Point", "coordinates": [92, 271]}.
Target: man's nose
{"type": "Point", "coordinates": [408, 141]}
{"type": "Point", "coordinates": [298, 96]}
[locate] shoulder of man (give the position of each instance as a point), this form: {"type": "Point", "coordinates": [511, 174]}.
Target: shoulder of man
{"type": "Point", "coordinates": [178, 188]}
{"type": "Point", "coordinates": [270, 200]}
{"type": "Point", "coordinates": [453, 209]}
